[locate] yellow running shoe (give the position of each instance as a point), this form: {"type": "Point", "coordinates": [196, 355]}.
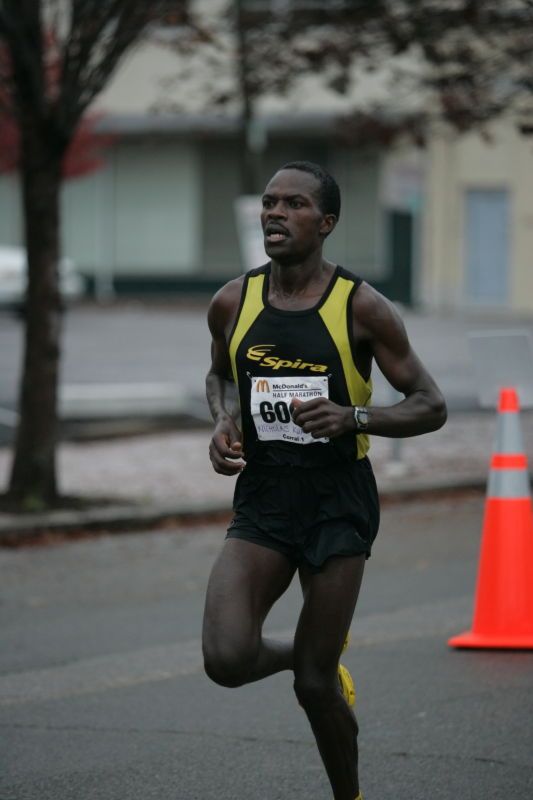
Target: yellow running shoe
{"type": "Point", "coordinates": [347, 685]}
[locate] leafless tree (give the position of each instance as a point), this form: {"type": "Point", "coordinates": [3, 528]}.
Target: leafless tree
{"type": "Point", "coordinates": [57, 56]}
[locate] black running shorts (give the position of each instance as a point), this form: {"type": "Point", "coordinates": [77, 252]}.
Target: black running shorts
{"type": "Point", "coordinates": [308, 514]}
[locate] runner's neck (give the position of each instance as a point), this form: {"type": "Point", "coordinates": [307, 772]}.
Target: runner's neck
{"type": "Point", "coordinates": [298, 282]}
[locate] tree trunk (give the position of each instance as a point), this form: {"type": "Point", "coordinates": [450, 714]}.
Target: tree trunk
{"type": "Point", "coordinates": [33, 478]}
{"type": "Point", "coordinates": [248, 166]}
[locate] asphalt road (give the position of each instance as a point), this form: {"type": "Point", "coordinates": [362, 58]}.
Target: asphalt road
{"type": "Point", "coordinates": [102, 693]}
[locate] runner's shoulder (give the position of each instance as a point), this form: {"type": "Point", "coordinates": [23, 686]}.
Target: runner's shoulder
{"type": "Point", "coordinates": [372, 309]}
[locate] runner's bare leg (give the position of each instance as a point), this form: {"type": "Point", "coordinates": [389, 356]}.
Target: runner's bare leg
{"type": "Point", "coordinates": [245, 582]}
{"type": "Point", "coordinates": [330, 597]}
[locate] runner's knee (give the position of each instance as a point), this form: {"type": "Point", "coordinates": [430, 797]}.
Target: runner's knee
{"type": "Point", "coordinates": [228, 667]}
{"type": "Point", "coordinates": [315, 693]}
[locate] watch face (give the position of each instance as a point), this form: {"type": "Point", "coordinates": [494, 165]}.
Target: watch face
{"type": "Point", "coordinates": [361, 417]}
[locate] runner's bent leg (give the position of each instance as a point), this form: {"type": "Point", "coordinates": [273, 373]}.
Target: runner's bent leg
{"type": "Point", "coordinates": [245, 582]}
{"type": "Point", "coordinates": [330, 597]}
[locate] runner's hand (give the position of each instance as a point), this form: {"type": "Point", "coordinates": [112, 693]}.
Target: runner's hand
{"type": "Point", "coordinates": [322, 418]}
{"type": "Point", "coordinates": [226, 444]}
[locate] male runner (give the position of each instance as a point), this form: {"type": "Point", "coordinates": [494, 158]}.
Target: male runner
{"type": "Point", "coordinates": [297, 338]}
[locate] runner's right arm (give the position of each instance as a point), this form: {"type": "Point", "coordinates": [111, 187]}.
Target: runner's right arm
{"type": "Point", "coordinates": [226, 442]}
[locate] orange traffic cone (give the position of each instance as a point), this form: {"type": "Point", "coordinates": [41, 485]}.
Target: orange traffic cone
{"type": "Point", "coordinates": [503, 610]}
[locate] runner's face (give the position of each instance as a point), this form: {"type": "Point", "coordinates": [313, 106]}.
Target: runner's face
{"type": "Point", "coordinates": [293, 224]}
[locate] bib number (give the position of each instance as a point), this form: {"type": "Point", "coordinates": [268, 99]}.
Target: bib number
{"type": "Point", "coordinates": [270, 406]}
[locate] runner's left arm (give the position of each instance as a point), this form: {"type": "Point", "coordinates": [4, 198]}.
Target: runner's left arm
{"type": "Point", "coordinates": [381, 330]}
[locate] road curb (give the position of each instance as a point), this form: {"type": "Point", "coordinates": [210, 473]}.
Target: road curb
{"type": "Point", "coordinates": [17, 528]}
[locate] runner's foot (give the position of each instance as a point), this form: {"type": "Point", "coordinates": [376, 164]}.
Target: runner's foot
{"type": "Point", "coordinates": [347, 686]}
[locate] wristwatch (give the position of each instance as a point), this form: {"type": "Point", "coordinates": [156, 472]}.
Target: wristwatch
{"type": "Point", "coordinates": [360, 415]}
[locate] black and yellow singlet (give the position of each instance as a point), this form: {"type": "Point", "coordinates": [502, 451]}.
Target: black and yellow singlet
{"type": "Point", "coordinates": [279, 354]}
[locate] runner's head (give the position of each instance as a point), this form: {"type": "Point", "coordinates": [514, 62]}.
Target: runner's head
{"type": "Point", "coordinates": [301, 206]}
{"type": "Point", "coordinates": [329, 196]}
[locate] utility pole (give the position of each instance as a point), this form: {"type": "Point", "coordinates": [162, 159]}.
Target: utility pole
{"type": "Point", "coordinates": [252, 133]}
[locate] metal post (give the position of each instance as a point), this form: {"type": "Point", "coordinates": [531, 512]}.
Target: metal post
{"type": "Point", "coordinates": [396, 466]}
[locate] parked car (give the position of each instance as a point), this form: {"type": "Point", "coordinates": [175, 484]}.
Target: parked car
{"type": "Point", "coordinates": [13, 278]}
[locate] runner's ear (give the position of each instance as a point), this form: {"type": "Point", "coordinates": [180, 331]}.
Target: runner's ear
{"type": "Point", "coordinates": [328, 224]}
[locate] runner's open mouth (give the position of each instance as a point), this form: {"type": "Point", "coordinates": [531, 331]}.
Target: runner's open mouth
{"type": "Point", "coordinates": [276, 237]}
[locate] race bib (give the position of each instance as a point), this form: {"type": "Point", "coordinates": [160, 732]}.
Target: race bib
{"type": "Point", "coordinates": [270, 406]}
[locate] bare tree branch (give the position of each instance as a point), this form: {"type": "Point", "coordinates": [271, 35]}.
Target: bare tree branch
{"type": "Point", "coordinates": [88, 22]}
{"type": "Point", "coordinates": [99, 36]}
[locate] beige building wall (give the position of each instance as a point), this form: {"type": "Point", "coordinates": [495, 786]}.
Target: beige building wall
{"type": "Point", "coordinates": [456, 165]}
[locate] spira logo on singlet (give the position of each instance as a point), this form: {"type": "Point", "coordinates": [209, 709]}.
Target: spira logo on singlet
{"type": "Point", "coordinates": [259, 352]}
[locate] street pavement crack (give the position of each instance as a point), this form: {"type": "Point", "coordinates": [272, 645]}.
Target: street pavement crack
{"type": "Point", "coordinates": [158, 731]}
{"type": "Point", "coordinates": [456, 757]}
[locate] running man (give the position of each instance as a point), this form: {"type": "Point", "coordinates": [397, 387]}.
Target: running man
{"type": "Point", "coordinates": [297, 338]}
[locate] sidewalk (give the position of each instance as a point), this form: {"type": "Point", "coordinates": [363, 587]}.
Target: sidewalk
{"type": "Point", "coordinates": [169, 474]}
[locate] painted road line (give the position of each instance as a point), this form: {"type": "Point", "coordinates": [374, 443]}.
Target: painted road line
{"type": "Point", "coordinates": [165, 662]}
{"type": "Point", "coordinates": [104, 399]}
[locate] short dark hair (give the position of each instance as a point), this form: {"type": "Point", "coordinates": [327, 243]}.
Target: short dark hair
{"type": "Point", "coordinates": [329, 197]}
